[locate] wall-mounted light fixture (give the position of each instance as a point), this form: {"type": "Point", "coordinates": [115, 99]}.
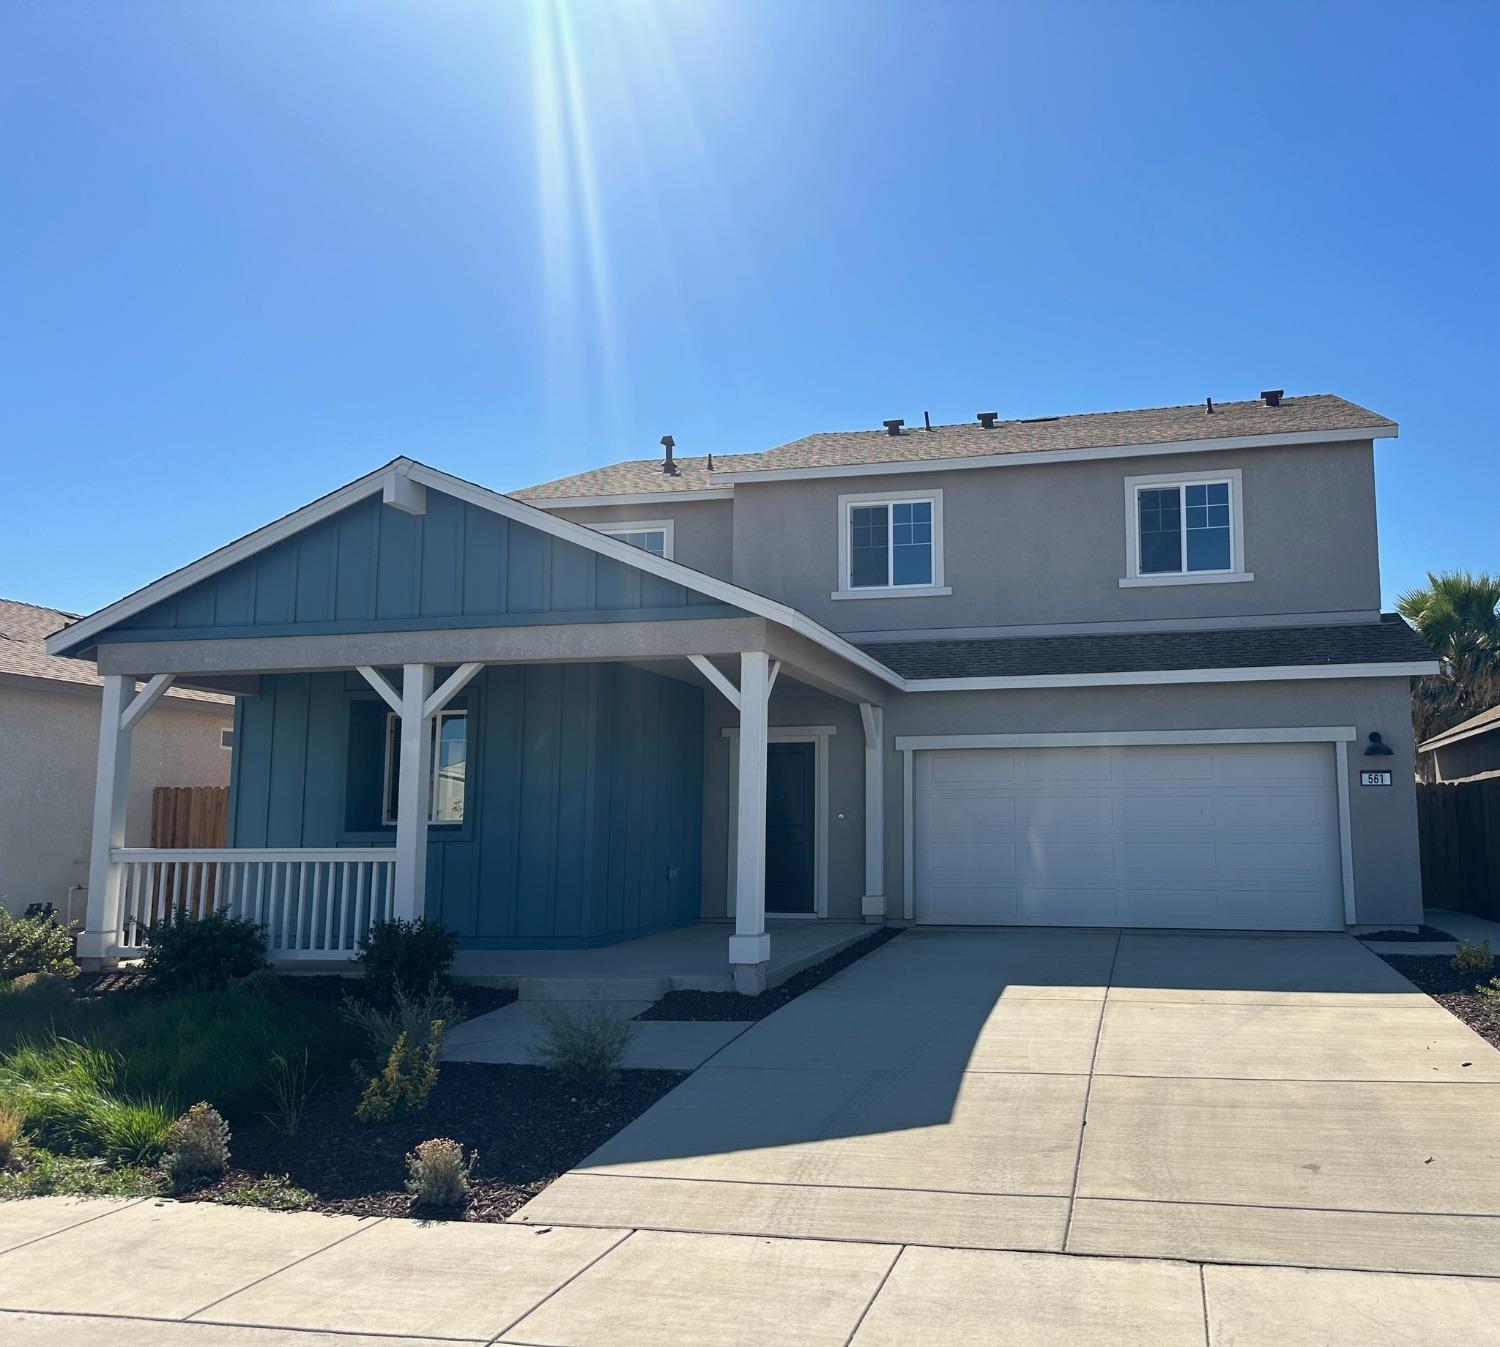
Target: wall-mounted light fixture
{"type": "Point", "coordinates": [1378, 747]}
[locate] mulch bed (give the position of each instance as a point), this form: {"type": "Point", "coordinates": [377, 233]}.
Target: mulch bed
{"type": "Point", "coordinates": [527, 1126]}
{"type": "Point", "coordinates": [1422, 933]}
{"type": "Point", "coordinates": [1455, 992]}
{"type": "Point", "coordinates": [733, 1006]}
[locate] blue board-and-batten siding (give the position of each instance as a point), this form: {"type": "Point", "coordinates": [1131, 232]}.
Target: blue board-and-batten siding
{"type": "Point", "coordinates": [583, 808]}
{"type": "Point", "coordinates": [371, 567]}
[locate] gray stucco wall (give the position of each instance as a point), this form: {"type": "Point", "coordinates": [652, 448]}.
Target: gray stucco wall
{"type": "Point", "coordinates": [1045, 543]}
{"type": "Point", "coordinates": [1383, 821]}
{"type": "Point", "coordinates": [702, 530]}
{"type": "Point", "coordinates": [49, 745]}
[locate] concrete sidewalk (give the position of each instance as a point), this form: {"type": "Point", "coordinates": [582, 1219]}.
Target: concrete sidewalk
{"type": "Point", "coordinates": [165, 1274]}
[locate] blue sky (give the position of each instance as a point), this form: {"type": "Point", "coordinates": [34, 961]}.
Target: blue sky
{"type": "Point", "coordinates": [249, 251]}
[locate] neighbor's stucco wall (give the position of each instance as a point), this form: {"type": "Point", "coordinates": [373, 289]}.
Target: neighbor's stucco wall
{"type": "Point", "coordinates": [1468, 758]}
{"type": "Point", "coordinates": [1045, 544]}
{"type": "Point", "coordinates": [49, 747]}
{"type": "Point", "coordinates": [702, 530]}
{"type": "Point", "coordinates": [1383, 820]}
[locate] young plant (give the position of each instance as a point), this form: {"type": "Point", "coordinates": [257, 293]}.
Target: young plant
{"type": "Point", "coordinates": [34, 945]}
{"type": "Point", "coordinates": [273, 1192]}
{"type": "Point", "coordinates": [584, 1047]}
{"type": "Point", "coordinates": [289, 1089]}
{"type": "Point", "coordinates": [187, 953]}
{"type": "Point", "coordinates": [410, 1013]}
{"type": "Point", "coordinates": [407, 954]}
{"type": "Point", "coordinates": [403, 1086]}
{"type": "Point", "coordinates": [1473, 957]}
{"type": "Point", "coordinates": [438, 1174]}
{"type": "Point", "coordinates": [12, 1120]}
{"type": "Point", "coordinates": [197, 1148]}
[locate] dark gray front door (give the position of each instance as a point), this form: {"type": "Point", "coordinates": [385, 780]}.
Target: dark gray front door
{"type": "Point", "coordinates": [791, 823]}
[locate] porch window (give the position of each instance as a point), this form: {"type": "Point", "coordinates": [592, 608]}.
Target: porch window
{"type": "Point", "coordinates": [450, 755]}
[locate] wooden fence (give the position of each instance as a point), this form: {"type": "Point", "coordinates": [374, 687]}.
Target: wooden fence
{"type": "Point", "coordinates": [1460, 830]}
{"type": "Point", "coordinates": [181, 817]}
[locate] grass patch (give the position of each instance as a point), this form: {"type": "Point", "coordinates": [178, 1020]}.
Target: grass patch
{"type": "Point", "coordinates": [43, 1174]}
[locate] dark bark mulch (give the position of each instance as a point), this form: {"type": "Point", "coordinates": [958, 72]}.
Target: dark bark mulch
{"type": "Point", "coordinates": [527, 1126]}
{"type": "Point", "coordinates": [1457, 993]}
{"type": "Point", "coordinates": [1428, 933]}
{"type": "Point", "coordinates": [733, 1006]}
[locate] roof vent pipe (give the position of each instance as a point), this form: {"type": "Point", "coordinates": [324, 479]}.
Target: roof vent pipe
{"type": "Point", "coordinates": [668, 466]}
{"type": "Point", "coordinates": [1273, 396]}
{"type": "Point", "coordinates": [988, 419]}
{"type": "Point", "coordinates": [893, 427]}
{"type": "Point", "coordinates": [1209, 404]}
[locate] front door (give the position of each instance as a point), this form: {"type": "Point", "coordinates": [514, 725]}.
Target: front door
{"type": "Point", "coordinates": [791, 823]}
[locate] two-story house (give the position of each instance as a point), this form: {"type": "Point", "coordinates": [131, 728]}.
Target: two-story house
{"type": "Point", "coordinates": [1125, 669]}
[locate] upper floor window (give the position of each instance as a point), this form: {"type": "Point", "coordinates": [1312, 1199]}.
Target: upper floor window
{"type": "Point", "coordinates": [650, 535]}
{"type": "Point", "coordinates": [450, 736]}
{"type": "Point", "coordinates": [1184, 530]}
{"type": "Point", "coordinates": [890, 543]}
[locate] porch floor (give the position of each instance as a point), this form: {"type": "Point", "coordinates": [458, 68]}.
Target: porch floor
{"type": "Point", "coordinates": [691, 958]}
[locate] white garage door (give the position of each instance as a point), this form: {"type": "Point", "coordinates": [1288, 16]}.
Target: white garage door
{"type": "Point", "coordinates": [1233, 836]}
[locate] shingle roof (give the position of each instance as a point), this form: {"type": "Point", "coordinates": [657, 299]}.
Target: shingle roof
{"type": "Point", "coordinates": [634, 477]}
{"type": "Point", "coordinates": [1093, 430]}
{"type": "Point", "coordinates": [1483, 723]}
{"type": "Point", "coordinates": [1096, 430]}
{"type": "Point", "coordinates": [24, 628]}
{"type": "Point", "coordinates": [1388, 641]}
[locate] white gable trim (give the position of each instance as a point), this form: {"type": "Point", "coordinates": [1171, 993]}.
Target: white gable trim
{"type": "Point", "coordinates": [385, 480]}
{"type": "Point", "coordinates": [1022, 458]}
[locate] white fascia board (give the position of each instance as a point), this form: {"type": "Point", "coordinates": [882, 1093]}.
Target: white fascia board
{"type": "Point", "coordinates": [1153, 677]}
{"type": "Point", "coordinates": [1457, 735]}
{"type": "Point", "coordinates": [1022, 458]}
{"type": "Point", "coordinates": [907, 743]}
{"type": "Point", "coordinates": [630, 498]}
{"type": "Point", "coordinates": [231, 553]}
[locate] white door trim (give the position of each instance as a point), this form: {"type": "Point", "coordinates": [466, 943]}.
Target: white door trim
{"type": "Point", "coordinates": [1339, 736]}
{"type": "Point", "coordinates": [818, 736]}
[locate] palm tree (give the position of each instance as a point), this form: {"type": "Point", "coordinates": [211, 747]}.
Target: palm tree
{"type": "Point", "coordinates": [1458, 615]}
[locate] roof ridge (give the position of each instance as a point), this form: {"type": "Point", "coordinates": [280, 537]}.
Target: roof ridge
{"type": "Point", "coordinates": [39, 607]}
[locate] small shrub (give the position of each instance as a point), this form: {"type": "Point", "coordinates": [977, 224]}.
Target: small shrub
{"type": "Point", "coordinates": [34, 945]}
{"type": "Point", "coordinates": [263, 982]}
{"type": "Point", "coordinates": [584, 1047]}
{"type": "Point", "coordinates": [438, 1175]}
{"type": "Point", "coordinates": [1490, 991]}
{"type": "Point", "coordinates": [187, 953]}
{"type": "Point", "coordinates": [273, 1192]}
{"type": "Point", "coordinates": [197, 1147]}
{"type": "Point", "coordinates": [403, 1086]}
{"type": "Point", "coordinates": [410, 1013]}
{"type": "Point", "coordinates": [289, 1088]}
{"type": "Point", "coordinates": [1473, 957]}
{"type": "Point", "coordinates": [12, 1119]}
{"type": "Point", "coordinates": [409, 954]}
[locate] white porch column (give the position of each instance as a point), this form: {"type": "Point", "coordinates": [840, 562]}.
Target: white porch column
{"type": "Point", "coordinates": [111, 785]}
{"type": "Point", "coordinates": [414, 793]}
{"type": "Point", "coordinates": [750, 946]}
{"type": "Point", "coordinates": [873, 902]}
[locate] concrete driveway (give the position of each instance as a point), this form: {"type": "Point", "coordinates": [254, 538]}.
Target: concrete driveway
{"type": "Point", "coordinates": [1223, 1098]}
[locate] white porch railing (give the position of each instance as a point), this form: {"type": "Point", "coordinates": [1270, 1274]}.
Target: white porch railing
{"type": "Point", "coordinates": [314, 903]}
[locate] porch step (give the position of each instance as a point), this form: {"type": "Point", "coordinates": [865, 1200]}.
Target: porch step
{"type": "Point", "coordinates": [591, 989]}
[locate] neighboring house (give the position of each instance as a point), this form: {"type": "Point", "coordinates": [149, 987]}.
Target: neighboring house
{"type": "Point", "coordinates": [1115, 669]}
{"type": "Point", "coordinates": [1468, 751]}
{"type": "Point", "coordinates": [49, 747]}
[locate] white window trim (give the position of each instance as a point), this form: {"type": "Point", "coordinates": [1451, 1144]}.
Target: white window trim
{"type": "Point", "coordinates": [936, 587]}
{"type": "Point", "coordinates": [818, 736]}
{"type": "Point", "coordinates": [1133, 579]}
{"type": "Point", "coordinates": [393, 749]}
{"type": "Point", "coordinates": [226, 737]}
{"type": "Point", "coordinates": [662, 526]}
{"type": "Point", "coordinates": [1339, 737]}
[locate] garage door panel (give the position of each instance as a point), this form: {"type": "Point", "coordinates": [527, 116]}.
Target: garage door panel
{"type": "Point", "coordinates": [1222, 836]}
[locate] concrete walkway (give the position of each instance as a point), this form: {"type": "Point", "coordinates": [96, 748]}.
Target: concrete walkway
{"type": "Point", "coordinates": [1280, 1100]}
